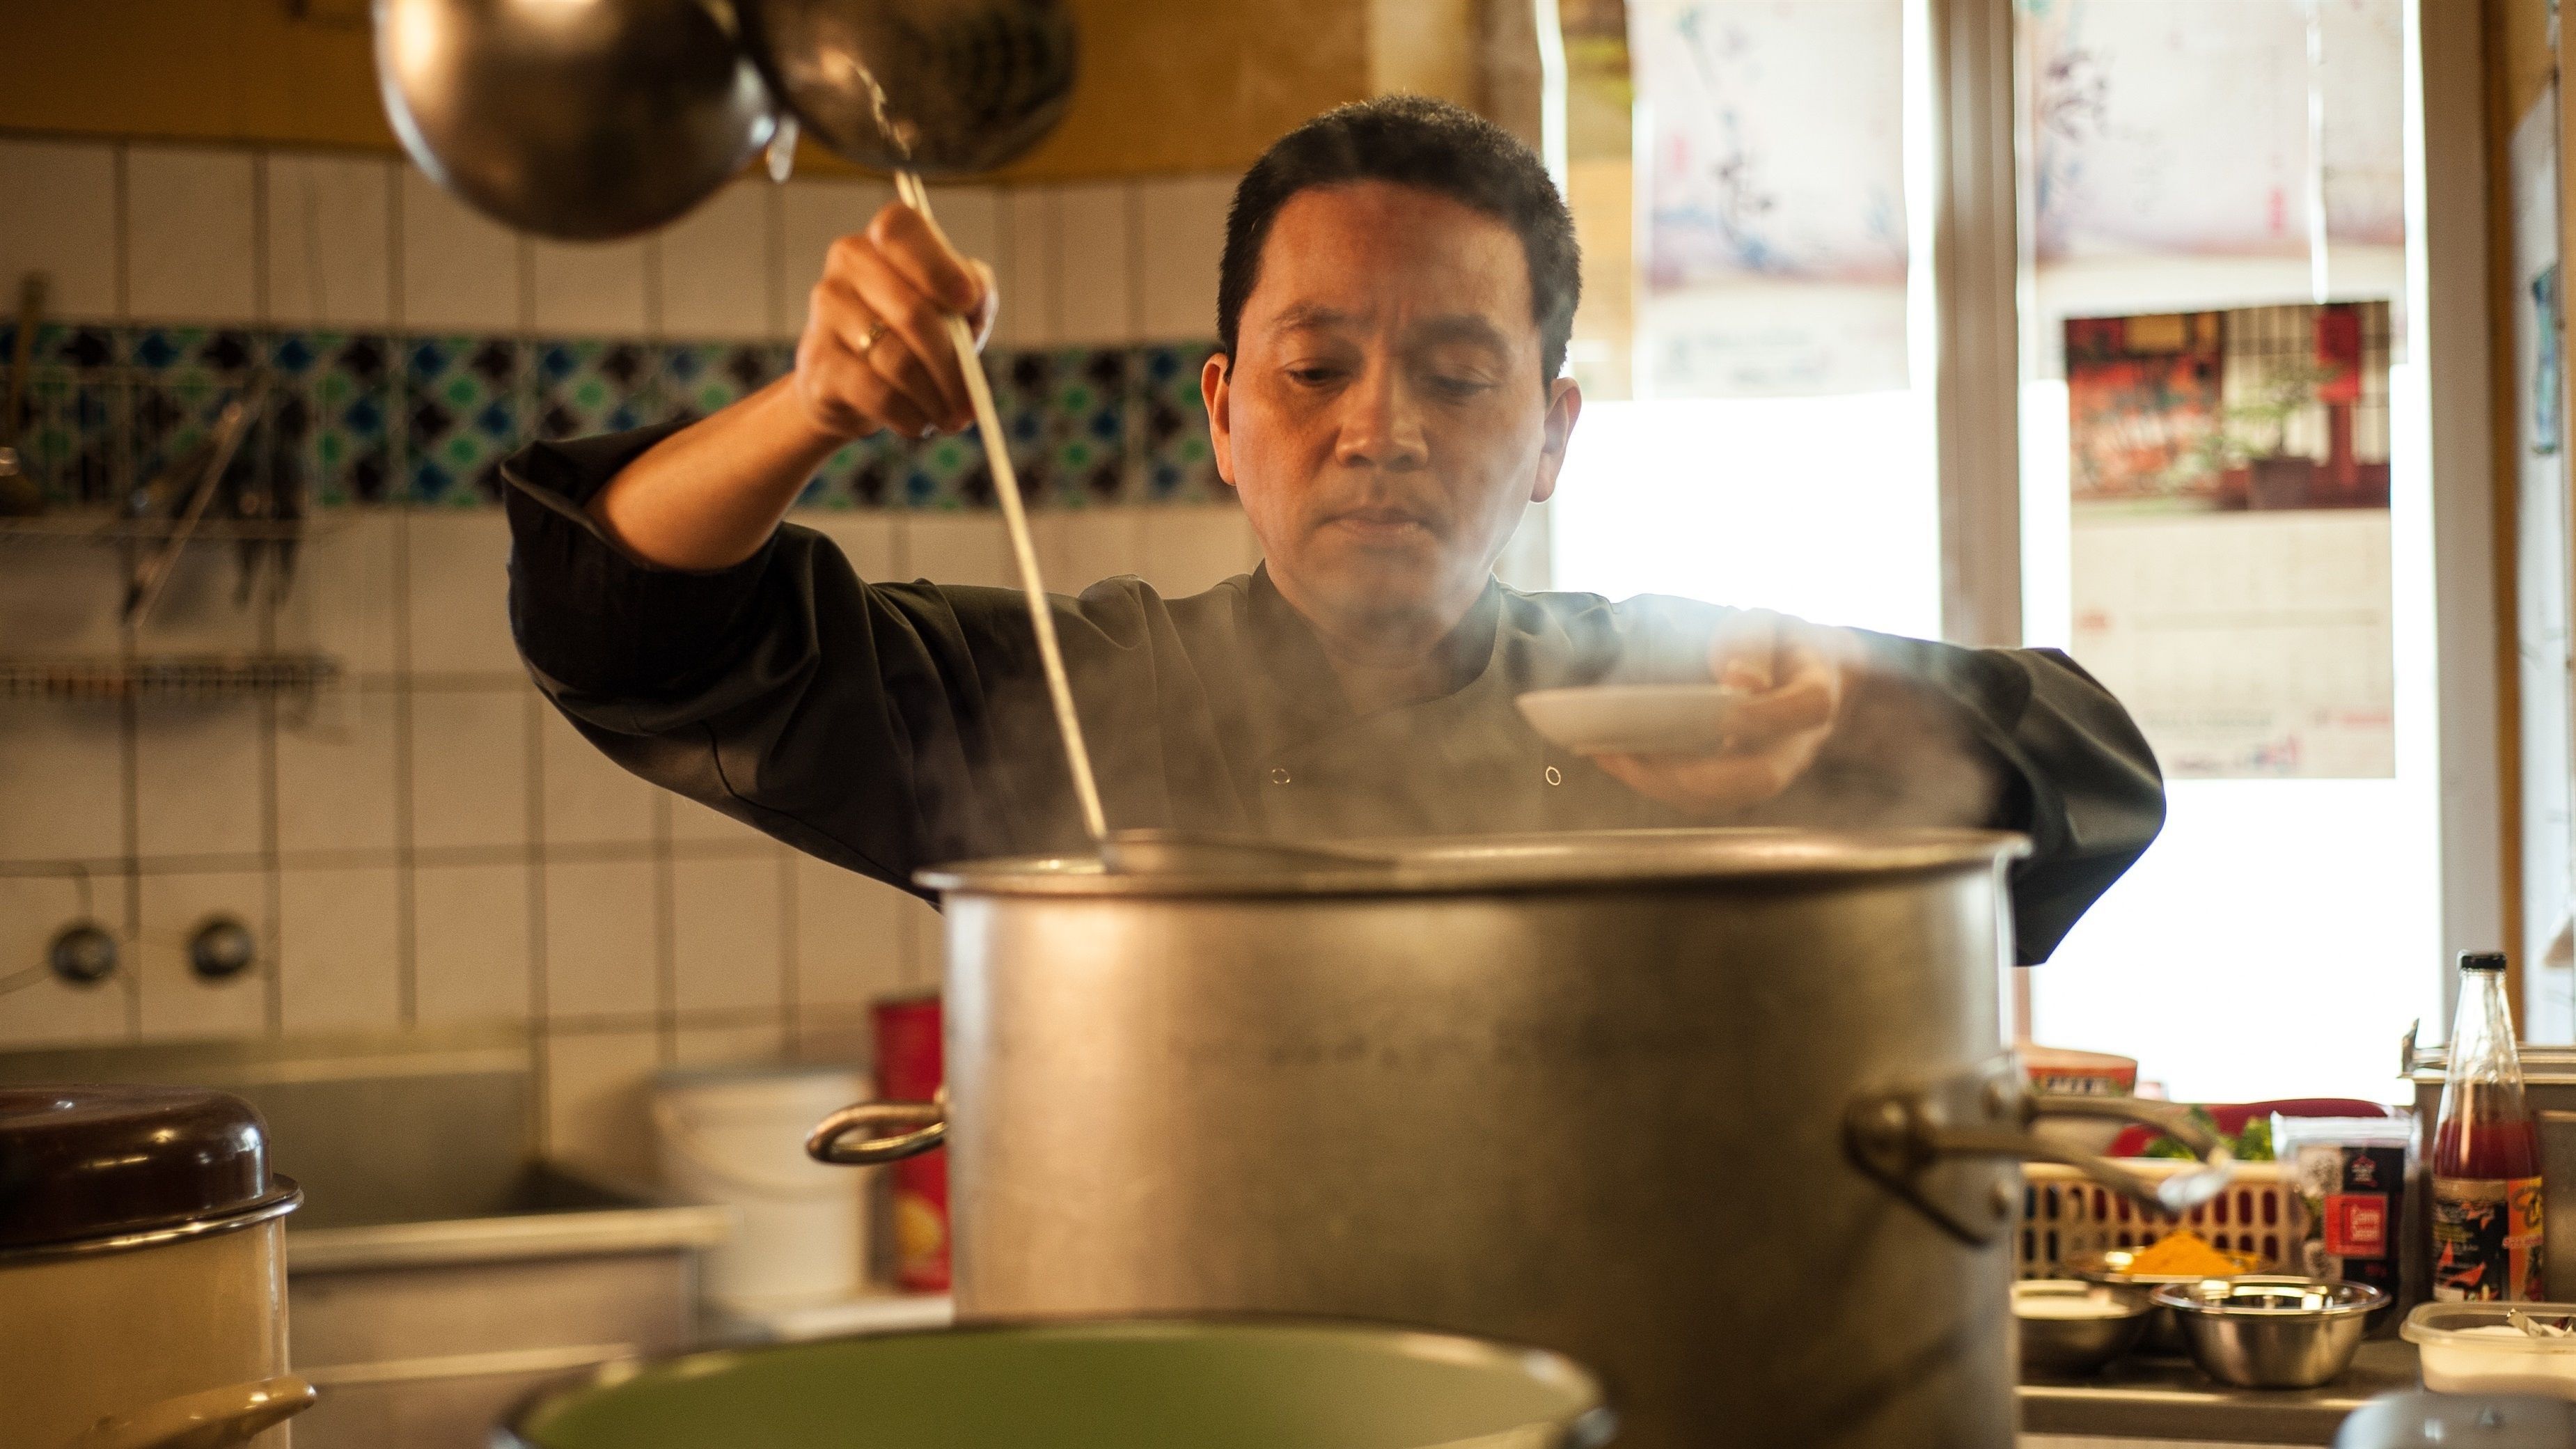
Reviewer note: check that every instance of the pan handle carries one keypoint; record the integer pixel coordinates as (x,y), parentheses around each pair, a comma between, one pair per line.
(920,1126)
(213,1419)
(1926,1143)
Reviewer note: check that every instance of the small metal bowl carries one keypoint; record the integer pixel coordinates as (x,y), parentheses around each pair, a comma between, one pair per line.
(2078,1343)
(2268,1332)
(2163,1338)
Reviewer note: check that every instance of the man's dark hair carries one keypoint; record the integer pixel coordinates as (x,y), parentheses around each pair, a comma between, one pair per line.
(1412,141)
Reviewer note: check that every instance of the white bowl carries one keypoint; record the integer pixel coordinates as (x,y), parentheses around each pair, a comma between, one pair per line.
(1632,719)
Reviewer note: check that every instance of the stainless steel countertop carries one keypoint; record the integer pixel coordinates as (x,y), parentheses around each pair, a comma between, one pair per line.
(2171,1399)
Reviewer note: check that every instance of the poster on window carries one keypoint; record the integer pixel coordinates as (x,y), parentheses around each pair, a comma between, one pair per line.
(1771,196)
(2215,127)
(2231,534)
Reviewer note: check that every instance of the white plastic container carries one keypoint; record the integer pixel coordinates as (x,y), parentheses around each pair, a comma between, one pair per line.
(736,1137)
(2472,1348)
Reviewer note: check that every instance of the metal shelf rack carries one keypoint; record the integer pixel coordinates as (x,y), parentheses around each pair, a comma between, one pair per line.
(166,676)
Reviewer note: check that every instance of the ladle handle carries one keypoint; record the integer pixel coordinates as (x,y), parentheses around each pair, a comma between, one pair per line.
(1006,489)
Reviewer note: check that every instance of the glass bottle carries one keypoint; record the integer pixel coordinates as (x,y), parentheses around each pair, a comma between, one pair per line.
(2486,1152)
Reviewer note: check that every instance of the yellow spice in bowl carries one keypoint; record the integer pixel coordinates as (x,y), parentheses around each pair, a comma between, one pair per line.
(2185,1253)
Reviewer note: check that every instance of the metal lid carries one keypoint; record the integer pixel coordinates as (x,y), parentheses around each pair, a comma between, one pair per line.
(1180,865)
(98,1166)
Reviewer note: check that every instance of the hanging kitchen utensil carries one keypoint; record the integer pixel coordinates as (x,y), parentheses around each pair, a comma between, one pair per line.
(19,493)
(579,121)
(938,87)
(218,450)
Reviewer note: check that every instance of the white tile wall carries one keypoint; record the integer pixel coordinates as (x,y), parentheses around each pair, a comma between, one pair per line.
(1180,239)
(470,762)
(853,937)
(62,795)
(717,274)
(589,288)
(470,942)
(189,234)
(587,798)
(601,938)
(338,776)
(728,933)
(345,598)
(813,215)
(339,949)
(297,238)
(1032,312)
(199,779)
(459,272)
(58,216)
(61,600)
(459,607)
(330,240)
(957,548)
(1095,265)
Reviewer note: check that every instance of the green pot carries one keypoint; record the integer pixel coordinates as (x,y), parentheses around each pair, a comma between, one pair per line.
(1173,1384)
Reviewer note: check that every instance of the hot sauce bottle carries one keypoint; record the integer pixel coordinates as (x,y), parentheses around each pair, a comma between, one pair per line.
(2486,1153)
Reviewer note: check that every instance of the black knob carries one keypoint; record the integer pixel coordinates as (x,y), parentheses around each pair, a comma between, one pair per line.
(83,953)
(222,947)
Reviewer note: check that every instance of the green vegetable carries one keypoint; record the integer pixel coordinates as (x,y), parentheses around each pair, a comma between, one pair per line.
(2254,1144)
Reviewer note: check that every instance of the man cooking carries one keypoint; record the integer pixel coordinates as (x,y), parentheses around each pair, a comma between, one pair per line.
(1398,285)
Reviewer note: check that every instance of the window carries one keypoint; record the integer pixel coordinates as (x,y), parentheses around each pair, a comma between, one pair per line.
(2236,161)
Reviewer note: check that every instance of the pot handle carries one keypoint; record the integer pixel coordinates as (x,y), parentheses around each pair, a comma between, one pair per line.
(212,1419)
(1918,1141)
(923,1126)
(2176,1194)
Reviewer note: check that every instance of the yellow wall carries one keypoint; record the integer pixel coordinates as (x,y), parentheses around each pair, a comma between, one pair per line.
(1167,85)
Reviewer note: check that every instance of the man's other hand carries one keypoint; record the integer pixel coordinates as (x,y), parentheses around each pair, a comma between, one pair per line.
(1789,679)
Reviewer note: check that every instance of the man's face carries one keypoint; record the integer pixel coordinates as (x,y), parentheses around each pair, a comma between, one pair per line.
(1384,418)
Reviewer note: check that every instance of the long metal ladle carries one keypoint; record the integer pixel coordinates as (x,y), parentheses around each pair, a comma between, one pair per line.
(1015,517)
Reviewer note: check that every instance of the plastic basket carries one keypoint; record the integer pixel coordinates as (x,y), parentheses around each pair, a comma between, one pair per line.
(2066,1215)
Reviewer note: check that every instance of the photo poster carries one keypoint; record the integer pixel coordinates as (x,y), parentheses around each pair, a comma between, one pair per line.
(1772,243)
(2231,537)
(2542,642)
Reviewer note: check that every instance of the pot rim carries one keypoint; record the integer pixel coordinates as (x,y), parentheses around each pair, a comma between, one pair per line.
(1589,1428)
(1509,863)
(283,1197)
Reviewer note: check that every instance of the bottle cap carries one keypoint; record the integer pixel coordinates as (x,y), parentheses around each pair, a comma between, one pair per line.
(2482,960)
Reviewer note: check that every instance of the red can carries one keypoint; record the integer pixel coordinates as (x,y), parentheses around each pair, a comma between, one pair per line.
(911,1068)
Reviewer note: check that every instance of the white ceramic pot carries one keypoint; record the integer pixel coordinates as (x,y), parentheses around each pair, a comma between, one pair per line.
(142,1273)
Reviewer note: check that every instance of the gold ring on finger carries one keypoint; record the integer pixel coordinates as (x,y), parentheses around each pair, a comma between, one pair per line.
(876,330)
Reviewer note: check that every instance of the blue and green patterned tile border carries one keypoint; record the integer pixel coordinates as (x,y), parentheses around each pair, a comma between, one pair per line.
(425,419)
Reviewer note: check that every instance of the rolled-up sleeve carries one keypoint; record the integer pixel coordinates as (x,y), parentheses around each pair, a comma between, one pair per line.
(786,692)
(587,615)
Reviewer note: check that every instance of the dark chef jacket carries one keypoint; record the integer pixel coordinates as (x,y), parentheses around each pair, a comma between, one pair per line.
(887,727)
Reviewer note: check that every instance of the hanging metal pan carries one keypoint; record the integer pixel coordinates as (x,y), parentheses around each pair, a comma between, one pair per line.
(936,87)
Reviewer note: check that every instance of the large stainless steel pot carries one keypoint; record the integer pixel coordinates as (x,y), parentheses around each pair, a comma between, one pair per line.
(1725,1114)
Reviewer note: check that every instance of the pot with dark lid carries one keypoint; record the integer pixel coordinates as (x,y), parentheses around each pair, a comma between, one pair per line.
(1723,1113)
(142,1266)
